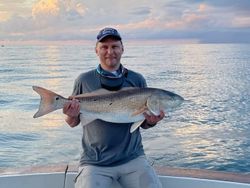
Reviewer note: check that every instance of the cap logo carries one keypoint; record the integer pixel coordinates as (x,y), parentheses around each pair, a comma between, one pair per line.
(108,31)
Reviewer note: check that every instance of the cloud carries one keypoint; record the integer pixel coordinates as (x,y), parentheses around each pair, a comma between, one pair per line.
(3,16)
(46,8)
(202,20)
(170,19)
(48,12)
(141,11)
(241,22)
(46,18)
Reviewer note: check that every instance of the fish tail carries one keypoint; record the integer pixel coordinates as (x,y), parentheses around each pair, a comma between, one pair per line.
(49,102)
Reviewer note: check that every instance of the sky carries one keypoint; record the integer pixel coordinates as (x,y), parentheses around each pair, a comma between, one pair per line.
(202,21)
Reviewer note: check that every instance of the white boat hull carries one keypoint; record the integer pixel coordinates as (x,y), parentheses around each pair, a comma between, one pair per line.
(35,179)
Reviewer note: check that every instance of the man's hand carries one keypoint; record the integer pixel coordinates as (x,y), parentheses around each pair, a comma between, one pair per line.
(72,110)
(152,120)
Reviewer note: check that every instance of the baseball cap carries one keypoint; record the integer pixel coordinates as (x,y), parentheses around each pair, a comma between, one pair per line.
(108,31)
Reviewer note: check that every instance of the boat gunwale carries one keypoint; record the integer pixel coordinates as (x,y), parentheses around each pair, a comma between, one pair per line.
(161,171)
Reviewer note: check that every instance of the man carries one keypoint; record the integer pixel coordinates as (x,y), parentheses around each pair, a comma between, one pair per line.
(110,152)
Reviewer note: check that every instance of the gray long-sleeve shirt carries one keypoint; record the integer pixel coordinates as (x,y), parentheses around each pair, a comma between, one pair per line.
(105,143)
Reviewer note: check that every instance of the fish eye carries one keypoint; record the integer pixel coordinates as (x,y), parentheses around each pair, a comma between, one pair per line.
(57,98)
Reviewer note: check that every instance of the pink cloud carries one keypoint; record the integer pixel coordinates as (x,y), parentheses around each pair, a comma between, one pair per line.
(241,22)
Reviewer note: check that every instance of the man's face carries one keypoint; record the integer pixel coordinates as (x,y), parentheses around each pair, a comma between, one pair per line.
(109,52)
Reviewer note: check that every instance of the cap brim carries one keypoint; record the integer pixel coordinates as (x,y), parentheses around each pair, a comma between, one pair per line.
(111,36)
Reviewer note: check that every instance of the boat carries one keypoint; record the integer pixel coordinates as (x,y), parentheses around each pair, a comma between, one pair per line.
(63,176)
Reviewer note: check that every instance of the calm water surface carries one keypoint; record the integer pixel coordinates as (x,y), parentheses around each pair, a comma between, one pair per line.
(210,131)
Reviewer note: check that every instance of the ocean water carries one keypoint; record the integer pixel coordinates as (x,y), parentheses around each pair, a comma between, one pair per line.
(211,130)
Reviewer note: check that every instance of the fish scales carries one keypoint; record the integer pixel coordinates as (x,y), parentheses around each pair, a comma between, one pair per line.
(115,102)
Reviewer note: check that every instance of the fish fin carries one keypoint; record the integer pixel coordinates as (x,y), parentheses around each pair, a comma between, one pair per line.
(140,111)
(128,88)
(153,104)
(135,126)
(49,102)
(101,92)
(94,93)
(85,121)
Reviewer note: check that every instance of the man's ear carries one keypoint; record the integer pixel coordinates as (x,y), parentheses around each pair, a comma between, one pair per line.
(96,51)
(122,49)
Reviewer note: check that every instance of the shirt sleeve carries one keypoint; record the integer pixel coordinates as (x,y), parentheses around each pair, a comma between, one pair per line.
(77,89)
